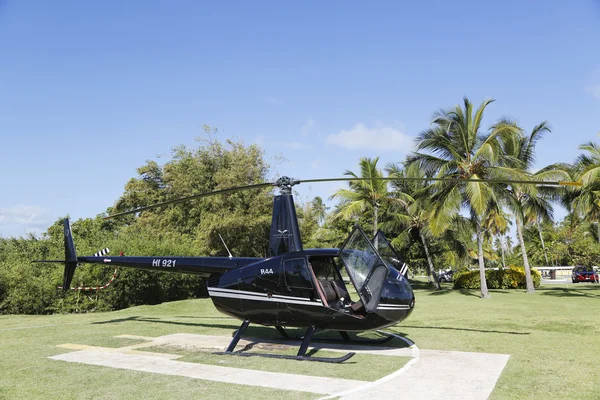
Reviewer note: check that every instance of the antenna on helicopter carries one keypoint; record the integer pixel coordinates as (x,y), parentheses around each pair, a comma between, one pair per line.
(226,248)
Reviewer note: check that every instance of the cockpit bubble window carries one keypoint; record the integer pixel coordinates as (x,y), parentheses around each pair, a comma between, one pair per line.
(360,258)
(386,251)
(367,270)
(297,274)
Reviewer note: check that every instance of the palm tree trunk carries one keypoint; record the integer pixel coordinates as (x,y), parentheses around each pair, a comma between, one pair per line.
(503,260)
(375,216)
(484,290)
(528,280)
(430,272)
(542,241)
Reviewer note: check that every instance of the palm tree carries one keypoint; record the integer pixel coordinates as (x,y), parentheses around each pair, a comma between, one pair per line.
(496,225)
(498,244)
(414,217)
(508,245)
(535,242)
(528,203)
(319,209)
(538,226)
(457,148)
(368,194)
(586,202)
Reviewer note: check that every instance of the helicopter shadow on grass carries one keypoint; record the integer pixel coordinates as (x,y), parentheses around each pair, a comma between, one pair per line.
(441,292)
(445,289)
(590,292)
(197,317)
(255,331)
(136,318)
(116,321)
(432,291)
(466,329)
(261,331)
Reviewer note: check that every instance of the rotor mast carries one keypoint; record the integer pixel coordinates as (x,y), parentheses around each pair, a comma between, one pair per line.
(285,232)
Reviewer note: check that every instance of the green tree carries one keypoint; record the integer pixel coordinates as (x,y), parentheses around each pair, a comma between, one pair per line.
(499,245)
(586,202)
(370,194)
(413,213)
(319,210)
(496,225)
(528,203)
(311,216)
(456,147)
(242,218)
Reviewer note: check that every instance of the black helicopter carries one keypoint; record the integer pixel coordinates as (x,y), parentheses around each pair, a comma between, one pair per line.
(292,286)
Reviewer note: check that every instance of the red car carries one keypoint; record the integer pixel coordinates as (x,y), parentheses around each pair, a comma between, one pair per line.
(584,274)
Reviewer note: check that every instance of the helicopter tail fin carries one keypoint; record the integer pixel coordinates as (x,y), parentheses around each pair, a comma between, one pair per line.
(70,256)
(70,260)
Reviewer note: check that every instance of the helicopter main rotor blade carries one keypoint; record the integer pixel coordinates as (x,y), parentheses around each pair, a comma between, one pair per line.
(286,182)
(450,180)
(196,196)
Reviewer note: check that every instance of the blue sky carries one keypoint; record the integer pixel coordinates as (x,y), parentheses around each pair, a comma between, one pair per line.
(91,90)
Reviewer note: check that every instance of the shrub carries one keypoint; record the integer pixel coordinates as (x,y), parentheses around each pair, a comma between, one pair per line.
(512,277)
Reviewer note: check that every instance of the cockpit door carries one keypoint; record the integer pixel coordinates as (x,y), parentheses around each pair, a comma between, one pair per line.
(365,267)
(389,254)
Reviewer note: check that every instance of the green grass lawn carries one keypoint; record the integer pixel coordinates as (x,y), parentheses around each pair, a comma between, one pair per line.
(553,337)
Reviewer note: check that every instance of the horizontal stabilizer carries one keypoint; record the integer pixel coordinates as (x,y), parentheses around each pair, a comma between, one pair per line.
(102,252)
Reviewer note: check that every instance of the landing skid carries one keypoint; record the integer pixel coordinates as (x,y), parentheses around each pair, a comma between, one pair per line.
(334,360)
(301,356)
(345,338)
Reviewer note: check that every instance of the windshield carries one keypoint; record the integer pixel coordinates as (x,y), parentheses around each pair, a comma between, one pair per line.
(359,257)
(386,251)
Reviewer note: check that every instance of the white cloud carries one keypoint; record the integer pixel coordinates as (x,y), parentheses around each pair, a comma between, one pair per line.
(298,145)
(23,215)
(380,137)
(306,128)
(594,90)
(21,220)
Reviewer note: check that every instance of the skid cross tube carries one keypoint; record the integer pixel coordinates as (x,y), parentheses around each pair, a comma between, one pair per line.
(301,356)
(237,336)
(282,332)
(310,331)
(345,338)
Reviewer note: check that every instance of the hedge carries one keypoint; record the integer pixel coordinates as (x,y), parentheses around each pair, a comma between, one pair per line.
(512,277)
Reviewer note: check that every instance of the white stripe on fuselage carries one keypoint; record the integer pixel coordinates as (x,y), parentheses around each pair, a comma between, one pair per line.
(393,307)
(242,294)
(245,295)
(236,291)
(273,299)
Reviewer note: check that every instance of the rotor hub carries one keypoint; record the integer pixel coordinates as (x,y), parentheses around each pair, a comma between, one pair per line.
(285,184)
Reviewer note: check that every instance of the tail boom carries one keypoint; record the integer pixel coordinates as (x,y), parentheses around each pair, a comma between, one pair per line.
(202,266)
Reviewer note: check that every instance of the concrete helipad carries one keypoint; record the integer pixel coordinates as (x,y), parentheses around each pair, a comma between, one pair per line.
(430,374)
(439,375)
